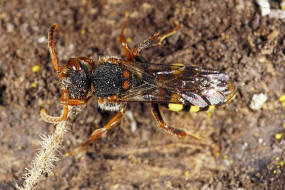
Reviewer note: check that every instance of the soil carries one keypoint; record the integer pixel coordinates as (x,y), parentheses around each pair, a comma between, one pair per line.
(227,35)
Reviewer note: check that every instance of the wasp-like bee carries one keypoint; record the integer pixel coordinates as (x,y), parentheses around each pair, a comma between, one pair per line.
(116,82)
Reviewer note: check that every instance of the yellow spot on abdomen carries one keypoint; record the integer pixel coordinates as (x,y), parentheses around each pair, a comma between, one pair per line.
(282,98)
(211,108)
(194,109)
(177,68)
(278,136)
(175,107)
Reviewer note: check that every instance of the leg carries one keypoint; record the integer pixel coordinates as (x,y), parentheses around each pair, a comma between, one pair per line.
(155,40)
(127,50)
(178,132)
(51,119)
(98,132)
(66,102)
(168,129)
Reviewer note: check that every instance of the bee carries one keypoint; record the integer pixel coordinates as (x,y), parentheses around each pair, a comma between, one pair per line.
(117,82)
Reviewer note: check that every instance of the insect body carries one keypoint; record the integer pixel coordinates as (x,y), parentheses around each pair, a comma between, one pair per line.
(117,82)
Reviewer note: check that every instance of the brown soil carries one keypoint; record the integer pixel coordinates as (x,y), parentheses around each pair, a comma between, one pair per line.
(228,35)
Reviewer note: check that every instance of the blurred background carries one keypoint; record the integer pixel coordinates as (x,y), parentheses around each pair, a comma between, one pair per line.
(227,35)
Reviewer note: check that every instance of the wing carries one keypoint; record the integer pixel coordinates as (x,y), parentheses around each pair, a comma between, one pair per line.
(178,83)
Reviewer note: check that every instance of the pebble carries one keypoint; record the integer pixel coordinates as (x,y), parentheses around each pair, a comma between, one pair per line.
(257,101)
(10,27)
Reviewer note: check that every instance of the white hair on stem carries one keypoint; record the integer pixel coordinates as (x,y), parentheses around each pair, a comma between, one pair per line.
(43,162)
(47,155)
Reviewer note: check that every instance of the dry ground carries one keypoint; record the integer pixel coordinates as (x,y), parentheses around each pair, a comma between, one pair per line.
(224,34)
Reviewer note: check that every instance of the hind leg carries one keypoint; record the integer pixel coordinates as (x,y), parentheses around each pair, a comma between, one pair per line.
(171,130)
(179,132)
(99,132)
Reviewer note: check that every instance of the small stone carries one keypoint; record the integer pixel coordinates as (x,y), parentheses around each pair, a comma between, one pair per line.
(257,101)
(264,7)
(42,39)
(10,27)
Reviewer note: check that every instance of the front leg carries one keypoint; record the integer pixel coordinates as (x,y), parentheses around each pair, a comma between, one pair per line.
(99,132)
(65,101)
(155,40)
(53,119)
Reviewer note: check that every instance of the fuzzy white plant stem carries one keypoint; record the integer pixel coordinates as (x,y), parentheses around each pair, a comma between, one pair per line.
(43,162)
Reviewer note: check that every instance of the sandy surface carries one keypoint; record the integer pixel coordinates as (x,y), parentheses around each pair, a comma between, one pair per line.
(228,35)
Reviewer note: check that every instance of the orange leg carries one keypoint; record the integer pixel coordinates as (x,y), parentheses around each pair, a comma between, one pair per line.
(178,132)
(66,102)
(154,40)
(51,119)
(99,132)
(168,129)
(122,38)
(161,124)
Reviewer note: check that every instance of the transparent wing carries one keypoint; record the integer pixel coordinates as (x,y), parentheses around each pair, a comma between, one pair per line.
(178,83)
